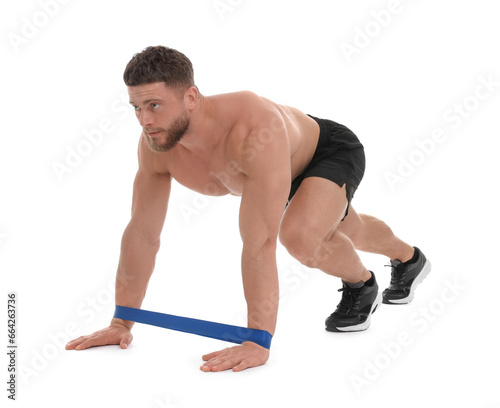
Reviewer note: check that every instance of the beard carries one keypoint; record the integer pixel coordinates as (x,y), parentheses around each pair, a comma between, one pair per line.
(173,135)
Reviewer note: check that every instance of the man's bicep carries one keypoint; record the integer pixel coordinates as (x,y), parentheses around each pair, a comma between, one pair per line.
(149,203)
(266,191)
(261,209)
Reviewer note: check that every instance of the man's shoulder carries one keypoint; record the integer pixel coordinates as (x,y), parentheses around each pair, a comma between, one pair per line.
(253,112)
(151,163)
(242,96)
(246,103)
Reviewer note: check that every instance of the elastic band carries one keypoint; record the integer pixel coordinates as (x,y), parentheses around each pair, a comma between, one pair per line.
(219,331)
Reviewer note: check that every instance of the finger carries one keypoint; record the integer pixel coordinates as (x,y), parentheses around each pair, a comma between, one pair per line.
(222,363)
(126,340)
(73,343)
(91,342)
(209,356)
(217,357)
(242,366)
(210,364)
(226,365)
(85,344)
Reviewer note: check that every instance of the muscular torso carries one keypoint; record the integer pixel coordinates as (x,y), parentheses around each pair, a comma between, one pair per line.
(212,167)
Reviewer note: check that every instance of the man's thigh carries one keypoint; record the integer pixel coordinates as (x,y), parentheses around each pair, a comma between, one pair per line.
(317,208)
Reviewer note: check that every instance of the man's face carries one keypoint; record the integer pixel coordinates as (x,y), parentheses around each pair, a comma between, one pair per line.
(162,114)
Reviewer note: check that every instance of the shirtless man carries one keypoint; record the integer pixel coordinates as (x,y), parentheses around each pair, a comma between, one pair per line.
(296,176)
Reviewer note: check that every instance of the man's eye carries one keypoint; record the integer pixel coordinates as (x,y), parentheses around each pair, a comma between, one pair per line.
(155,105)
(136,108)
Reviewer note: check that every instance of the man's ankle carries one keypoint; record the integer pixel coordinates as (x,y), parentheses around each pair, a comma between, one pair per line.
(408,256)
(366,275)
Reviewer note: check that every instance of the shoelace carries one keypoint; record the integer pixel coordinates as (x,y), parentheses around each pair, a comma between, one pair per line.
(397,274)
(351,298)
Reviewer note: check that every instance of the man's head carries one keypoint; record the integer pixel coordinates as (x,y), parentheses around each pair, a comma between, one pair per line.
(161,87)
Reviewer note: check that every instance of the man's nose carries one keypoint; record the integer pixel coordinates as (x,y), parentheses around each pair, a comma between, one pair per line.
(145,119)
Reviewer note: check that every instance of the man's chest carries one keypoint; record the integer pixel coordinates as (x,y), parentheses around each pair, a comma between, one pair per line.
(214,176)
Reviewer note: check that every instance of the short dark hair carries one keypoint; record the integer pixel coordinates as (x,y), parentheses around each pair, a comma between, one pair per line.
(159,64)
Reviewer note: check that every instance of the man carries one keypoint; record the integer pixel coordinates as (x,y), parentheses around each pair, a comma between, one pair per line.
(296,175)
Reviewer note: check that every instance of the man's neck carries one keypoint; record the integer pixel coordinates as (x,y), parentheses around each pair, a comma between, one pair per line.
(201,126)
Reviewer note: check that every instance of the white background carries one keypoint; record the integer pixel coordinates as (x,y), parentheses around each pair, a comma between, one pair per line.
(60,236)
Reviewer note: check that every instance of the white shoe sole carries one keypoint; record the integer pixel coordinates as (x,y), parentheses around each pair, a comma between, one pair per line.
(418,280)
(366,324)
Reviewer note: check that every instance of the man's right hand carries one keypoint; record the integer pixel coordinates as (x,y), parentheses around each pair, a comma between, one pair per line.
(116,333)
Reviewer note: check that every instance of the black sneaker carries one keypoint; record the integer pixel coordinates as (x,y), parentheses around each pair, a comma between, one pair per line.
(359,301)
(405,277)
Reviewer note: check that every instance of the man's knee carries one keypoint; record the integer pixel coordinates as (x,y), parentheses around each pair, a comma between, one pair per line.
(306,245)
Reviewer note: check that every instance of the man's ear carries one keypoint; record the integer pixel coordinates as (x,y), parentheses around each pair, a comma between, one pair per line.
(191,96)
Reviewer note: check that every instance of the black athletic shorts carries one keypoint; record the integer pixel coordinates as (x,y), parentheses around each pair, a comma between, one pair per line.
(339,157)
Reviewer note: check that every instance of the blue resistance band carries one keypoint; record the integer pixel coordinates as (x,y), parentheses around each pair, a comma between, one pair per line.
(219,331)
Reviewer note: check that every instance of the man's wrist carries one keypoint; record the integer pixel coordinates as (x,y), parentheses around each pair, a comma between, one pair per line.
(122,323)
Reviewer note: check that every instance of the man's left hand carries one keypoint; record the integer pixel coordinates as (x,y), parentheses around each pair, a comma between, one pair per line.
(238,358)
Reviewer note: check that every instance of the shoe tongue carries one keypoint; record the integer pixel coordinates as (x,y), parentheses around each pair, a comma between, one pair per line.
(395,262)
(354,285)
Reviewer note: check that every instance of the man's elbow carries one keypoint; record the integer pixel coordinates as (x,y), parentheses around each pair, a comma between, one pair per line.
(260,247)
(137,234)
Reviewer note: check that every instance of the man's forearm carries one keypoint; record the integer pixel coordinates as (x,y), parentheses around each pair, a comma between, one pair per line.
(137,261)
(260,282)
